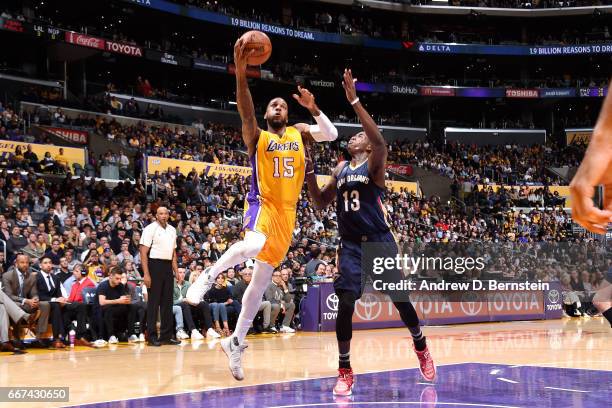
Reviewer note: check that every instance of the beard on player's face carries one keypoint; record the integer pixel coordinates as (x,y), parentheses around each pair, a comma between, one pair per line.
(277,123)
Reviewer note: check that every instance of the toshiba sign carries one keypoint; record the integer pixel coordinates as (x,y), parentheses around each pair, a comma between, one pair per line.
(125,49)
(84,40)
(521,93)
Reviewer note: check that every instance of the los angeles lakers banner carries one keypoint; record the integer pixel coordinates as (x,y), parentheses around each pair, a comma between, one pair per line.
(564,191)
(163,164)
(578,136)
(72,154)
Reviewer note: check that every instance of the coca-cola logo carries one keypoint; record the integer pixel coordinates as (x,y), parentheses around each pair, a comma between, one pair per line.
(123,49)
(13,25)
(84,40)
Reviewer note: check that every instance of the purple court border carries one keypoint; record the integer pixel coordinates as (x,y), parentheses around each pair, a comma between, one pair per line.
(458,385)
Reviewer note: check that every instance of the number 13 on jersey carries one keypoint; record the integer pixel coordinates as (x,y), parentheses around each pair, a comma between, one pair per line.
(352,202)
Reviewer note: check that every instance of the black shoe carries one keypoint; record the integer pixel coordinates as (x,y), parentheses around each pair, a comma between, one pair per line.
(171,342)
(154,342)
(270,329)
(18,344)
(40,343)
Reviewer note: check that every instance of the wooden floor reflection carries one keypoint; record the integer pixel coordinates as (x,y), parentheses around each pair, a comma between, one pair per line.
(130,371)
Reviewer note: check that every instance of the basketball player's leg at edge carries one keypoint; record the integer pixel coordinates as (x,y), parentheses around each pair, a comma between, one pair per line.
(252,245)
(346,288)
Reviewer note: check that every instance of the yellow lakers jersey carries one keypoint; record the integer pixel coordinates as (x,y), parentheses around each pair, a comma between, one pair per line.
(278,168)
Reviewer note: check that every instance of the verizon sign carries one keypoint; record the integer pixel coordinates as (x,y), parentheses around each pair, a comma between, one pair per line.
(74,136)
(84,40)
(124,49)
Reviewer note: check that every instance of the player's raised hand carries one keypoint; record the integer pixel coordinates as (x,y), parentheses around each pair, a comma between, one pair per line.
(241,54)
(348,83)
(305,98)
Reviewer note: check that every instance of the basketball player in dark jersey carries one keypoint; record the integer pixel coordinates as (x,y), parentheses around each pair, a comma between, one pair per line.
(358,187)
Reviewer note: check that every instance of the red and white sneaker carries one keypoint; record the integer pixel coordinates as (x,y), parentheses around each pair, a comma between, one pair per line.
(344,383)
(426,364)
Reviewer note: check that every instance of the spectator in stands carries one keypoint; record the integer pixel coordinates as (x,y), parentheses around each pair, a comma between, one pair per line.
(139,297)
(117,311)
(32,249)
(281,301)
(18,159)
(63,272)
(15,243)
(55,253)
(50,293)
(219,297)
(76,309)
(47,164)
(95,269)
(31,159)
(265,308)
(124,164)
(180,302)
(5,233)
(61,162)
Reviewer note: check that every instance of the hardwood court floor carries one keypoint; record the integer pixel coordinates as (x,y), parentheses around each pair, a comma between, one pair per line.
(129,371)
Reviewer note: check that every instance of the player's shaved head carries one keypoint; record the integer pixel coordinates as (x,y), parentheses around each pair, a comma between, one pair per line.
(277,114)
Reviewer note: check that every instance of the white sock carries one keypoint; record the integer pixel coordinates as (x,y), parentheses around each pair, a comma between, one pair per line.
(239,252)
(262,276)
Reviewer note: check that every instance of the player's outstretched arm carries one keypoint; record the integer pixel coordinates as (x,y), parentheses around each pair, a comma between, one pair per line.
(324,130)
(250,130)
(595,169)
(378,158)
(321,197)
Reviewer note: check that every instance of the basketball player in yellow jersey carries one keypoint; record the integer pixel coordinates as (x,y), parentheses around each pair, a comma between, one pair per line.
(277,159)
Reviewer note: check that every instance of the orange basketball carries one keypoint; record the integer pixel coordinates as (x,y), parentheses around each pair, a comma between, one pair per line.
(260,42)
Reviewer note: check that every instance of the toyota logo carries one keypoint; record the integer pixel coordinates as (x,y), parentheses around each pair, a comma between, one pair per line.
(470,304)
(553,296)
(332,302)
(368,307)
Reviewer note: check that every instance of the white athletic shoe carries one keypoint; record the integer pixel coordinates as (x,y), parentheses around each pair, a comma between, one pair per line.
(286,329)
(133,339)
(141,338)
(212,334)
(196,291)
(113,340)
(99,343)
(181,335)
(233,349)
(196,335)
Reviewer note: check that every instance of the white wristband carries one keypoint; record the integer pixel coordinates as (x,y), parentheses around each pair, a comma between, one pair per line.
(355,101)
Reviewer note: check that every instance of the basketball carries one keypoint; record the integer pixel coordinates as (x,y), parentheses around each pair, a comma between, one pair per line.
(260,42)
